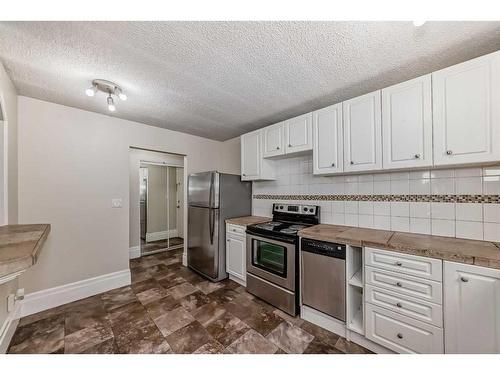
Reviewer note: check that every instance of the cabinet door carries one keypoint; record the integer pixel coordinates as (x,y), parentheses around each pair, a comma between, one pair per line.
(466,111)
(236,256)
(363,133)
(273,140)
(250,156)
(407,124)
(298,134)
(471,309)
(327,140)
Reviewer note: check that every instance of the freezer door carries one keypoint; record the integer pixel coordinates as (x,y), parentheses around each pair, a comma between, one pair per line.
(203,240)
(203,189)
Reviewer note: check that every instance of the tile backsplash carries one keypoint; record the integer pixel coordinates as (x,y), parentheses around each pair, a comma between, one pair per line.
(461,202)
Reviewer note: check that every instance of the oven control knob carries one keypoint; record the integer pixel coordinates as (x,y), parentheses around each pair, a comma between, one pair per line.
(305,209)
(281,207)
(311,210)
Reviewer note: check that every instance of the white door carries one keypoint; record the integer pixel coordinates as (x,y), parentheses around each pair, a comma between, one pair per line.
(273,138)
(362,133)
(298,134)
(471,309)
(250,155)
(180,201)
(407,124)
(327,140)
(236,256)
(466,111)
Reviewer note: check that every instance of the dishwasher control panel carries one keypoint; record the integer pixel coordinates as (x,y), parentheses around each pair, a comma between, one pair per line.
(329,249)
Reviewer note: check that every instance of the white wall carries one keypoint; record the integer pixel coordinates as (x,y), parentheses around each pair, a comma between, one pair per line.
(8,100)
(230,156)
(71,164)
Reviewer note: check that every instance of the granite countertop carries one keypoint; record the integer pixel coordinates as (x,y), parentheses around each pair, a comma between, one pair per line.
(247,220)
(20,246)
(481,253)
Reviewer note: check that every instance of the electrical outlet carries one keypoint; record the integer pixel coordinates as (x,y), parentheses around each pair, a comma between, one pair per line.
(116,203)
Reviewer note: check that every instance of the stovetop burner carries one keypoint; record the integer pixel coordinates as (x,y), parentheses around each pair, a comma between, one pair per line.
(287,221)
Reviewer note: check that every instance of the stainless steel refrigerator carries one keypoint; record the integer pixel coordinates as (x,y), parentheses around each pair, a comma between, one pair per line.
(213,197)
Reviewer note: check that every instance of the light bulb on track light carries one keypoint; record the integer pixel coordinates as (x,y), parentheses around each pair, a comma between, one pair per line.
(418,23)
(111,104)
(90,91)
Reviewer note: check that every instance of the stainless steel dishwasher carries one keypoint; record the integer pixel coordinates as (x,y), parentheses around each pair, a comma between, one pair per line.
(323,277)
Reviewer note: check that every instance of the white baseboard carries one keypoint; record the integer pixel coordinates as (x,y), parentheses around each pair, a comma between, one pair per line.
(60,295)
(163,235)
(9,327)
(134,252)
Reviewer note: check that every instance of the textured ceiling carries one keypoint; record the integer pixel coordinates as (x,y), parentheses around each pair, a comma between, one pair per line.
(221,79)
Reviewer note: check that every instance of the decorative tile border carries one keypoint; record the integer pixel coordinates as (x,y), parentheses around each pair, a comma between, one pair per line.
(384,198)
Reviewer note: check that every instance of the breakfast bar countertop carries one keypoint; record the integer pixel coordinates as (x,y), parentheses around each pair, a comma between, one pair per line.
(20,247)
(244,221)
(480,253)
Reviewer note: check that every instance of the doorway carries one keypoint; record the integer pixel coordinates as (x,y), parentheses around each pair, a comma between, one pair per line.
(161,207)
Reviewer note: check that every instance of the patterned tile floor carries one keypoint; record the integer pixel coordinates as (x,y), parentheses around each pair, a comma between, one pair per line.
(170,309)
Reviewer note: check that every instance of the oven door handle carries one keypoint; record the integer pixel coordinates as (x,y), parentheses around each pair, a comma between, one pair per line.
(270,237)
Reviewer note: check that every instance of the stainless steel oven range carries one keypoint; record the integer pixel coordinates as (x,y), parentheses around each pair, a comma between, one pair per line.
(273,255)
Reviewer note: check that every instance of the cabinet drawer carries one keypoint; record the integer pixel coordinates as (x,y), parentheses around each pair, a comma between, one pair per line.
(402,334)
(408,285)
(413,265)
(236,229)
(424,311)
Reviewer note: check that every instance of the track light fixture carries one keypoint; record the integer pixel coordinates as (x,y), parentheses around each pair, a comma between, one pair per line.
(109,88)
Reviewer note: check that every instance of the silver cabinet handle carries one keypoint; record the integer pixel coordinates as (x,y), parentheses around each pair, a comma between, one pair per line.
(399,304)
(399,335)
(243,174)
(464,279)
(399,284)
(352,162)
(417,156)
(290,145)
(449,152)
(277,148)
(399,264)
(333,164)
(228,240)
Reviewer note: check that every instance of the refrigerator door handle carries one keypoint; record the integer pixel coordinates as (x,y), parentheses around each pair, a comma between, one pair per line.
(211,192)
(211,221)
(211,213)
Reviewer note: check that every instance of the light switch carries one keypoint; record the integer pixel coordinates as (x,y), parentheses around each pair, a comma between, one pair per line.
(116,203)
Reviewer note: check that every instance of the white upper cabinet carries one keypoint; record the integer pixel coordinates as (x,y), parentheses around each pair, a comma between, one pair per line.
(298,134)
(471,309)
(273,137)
(363,133)
(250,155)
(407,124)
(328,140)
(253,166)
(466,112)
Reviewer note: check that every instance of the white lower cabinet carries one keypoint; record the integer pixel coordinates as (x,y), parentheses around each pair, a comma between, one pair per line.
(403,302)
(471,308)
(236,253)
(401,333)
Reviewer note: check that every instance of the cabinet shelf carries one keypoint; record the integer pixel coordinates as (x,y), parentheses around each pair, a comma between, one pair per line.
(356,323)
(357,279)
